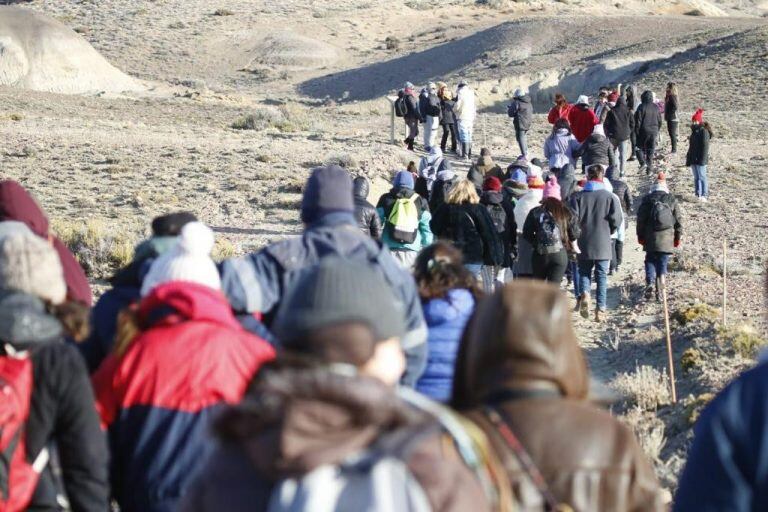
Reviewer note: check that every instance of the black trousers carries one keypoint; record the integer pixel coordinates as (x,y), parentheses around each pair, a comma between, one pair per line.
(448,129)
(646,151)
(618,254)
(672,129)
(550,267)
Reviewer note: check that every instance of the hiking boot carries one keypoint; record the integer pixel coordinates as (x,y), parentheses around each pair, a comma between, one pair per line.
(631,159)
(648,294)
(599,316)
(584,305)
(577,308)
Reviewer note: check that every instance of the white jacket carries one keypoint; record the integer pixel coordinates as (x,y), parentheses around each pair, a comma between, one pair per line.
(525,204)
(464,109)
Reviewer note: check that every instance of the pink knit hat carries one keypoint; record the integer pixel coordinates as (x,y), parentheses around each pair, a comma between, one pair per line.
(552,188)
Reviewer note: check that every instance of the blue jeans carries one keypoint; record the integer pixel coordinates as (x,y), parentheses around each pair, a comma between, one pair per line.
(655,265)
(700,182)
(574,268)
(522,141)
(476,270)
(601,278)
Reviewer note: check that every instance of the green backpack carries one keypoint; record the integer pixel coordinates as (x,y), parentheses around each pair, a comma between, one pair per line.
(403,220)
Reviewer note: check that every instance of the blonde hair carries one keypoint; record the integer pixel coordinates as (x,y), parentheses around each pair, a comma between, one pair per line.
(447,95)
(463,192)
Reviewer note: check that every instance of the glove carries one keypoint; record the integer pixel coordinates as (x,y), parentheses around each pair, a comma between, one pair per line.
(677,243)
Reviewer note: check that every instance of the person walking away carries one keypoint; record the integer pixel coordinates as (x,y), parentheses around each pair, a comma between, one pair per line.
(550,229)
(598,214)
(697,157)
(256,283)
(486,166)
(465,222)
(523,207)
(619,125)
(560,110)
(448,121)
(429,166)
(659,231)
(523,379)
(582,119)
(448,294)
(521,112)
(367,217)
(47,397)
(560,149)
(446,179)
(502,213)
(405,216)
(515,186)
(179,355)
(465,112)
(623,192)
(351,440)
(647,126)
(632,106)
(596,150)
(671,106)
(412,115)
(431,118)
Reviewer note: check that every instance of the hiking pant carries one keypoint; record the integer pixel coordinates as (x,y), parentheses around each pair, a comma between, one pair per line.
(405,257)
(672,130)
(430,131)
(413,128)
(700,182)
(493,277)
(573,265)
(655,266)
(601,278)
(618,254)
(448,129)
(522,140)
(622,148)
(645,155)
(550,267)
(633,143)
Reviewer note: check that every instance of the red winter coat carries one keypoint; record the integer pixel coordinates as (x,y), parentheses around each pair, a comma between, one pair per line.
(556,113)
(16,204)
(583,121)
(159,397)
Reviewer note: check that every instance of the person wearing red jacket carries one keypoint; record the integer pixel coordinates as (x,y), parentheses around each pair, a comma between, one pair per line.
(180,355)
(582,119)
(561,110)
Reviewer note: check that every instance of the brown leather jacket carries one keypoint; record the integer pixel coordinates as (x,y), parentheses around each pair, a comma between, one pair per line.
(532,371)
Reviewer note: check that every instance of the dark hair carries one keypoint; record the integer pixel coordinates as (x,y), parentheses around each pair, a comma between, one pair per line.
(439,268)
(411,165)
(708,127)
(561,123)
(560,213)
(74,318)
(560,99)
(595,171)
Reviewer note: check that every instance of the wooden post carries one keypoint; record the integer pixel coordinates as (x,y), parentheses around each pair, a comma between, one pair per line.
(725,283)
(391,121)
(670,357)
(485,145)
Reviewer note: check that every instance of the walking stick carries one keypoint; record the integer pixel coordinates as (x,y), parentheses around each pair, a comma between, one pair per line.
(670,357)
(725,284)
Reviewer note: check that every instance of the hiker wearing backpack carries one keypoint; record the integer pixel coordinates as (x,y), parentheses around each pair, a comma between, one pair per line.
(622,191)
(560,110)
(486,166)
(596,150)
(255,283)
(429,167)
(367,217)
(180,354)
(598,214)
(551,230)
(502,213)
(47,406)
(465,222)
(561,150)
(619,125)
(697,157)
(671,105)
(521,112)
(405,216)
(448,294)
(448,120)
(432,112)
(525,251)
(325,427)
(523,379)
(465,112)
(582,119)
(659,230)
(647,125)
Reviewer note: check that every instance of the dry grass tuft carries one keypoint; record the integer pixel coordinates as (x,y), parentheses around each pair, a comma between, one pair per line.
(646,387)
(694,313)
(648,429)
(98,247)
(743,339)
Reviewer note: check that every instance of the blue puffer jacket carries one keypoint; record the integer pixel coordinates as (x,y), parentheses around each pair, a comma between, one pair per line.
(446,319)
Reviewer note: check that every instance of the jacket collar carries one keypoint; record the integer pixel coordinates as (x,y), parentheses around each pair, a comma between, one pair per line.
(178,301)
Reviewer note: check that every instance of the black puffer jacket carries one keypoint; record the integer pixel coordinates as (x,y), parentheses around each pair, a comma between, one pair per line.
(471,230)
(448,117)
(647,119)
(670,108)
(620,122)
(698,149)
(490,200)
(62,409)
(365,213)
(597,149)
(523,118)
(658,241)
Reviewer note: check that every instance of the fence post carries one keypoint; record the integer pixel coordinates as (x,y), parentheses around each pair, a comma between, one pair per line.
(670,356)
(725,283)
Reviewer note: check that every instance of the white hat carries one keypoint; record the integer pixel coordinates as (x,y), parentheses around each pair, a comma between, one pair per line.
(31,265)
(583,100)
(189,261)
(598,129)
(519,93)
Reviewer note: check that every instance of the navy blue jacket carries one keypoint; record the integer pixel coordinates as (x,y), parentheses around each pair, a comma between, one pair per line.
(256,282)
(727,466)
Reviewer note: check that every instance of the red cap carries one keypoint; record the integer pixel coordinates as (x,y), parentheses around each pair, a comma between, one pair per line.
(698,116)
(492,183)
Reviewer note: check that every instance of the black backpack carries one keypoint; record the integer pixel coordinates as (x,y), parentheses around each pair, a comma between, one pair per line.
(662,216)
(498,217)
(549,239)
(401,109)
(433,107)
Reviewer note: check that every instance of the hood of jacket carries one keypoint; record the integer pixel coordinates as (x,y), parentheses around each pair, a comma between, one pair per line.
(179,301)
(520,338)
(476,177)
(17,204)
(24,320)
(446,175)
(647,97)
(514,189)
(361,187)
(295,419)
(525,98)
(491,197)
(596,138)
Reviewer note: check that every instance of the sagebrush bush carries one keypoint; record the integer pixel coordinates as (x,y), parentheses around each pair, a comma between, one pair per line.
(694,313)
(646,387)
(288,118)
(99,248)
(743,339)
(648,429)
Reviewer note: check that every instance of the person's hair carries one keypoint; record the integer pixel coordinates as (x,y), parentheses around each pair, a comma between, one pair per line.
(463,192)
(560,99)
(447,95)
(671,89)
(74,319)
(439,268)
(708,127)
(412,167)
(561,123)
(560,213)
(595,171)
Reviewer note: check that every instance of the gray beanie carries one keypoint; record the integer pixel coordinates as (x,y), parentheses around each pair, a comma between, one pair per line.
(328,190)
(31,265)
(338,291)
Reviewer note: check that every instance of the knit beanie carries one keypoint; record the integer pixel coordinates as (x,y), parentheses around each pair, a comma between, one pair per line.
(698,116)
(189,260)
(403,179)
(552,188)
(518,176)
(535,182)
(328,190)
(520,163)
(338,291)
(31,265)
(171,224)
(13,227)
(492,183)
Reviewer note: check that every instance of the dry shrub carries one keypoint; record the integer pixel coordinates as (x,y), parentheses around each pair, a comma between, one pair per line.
(646,387)
(694,405)
(648,429)
(691,358)
(694,313)
(743,339)
(288,118)
(223,249)
(344,160)
(99,247)
(223,12)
